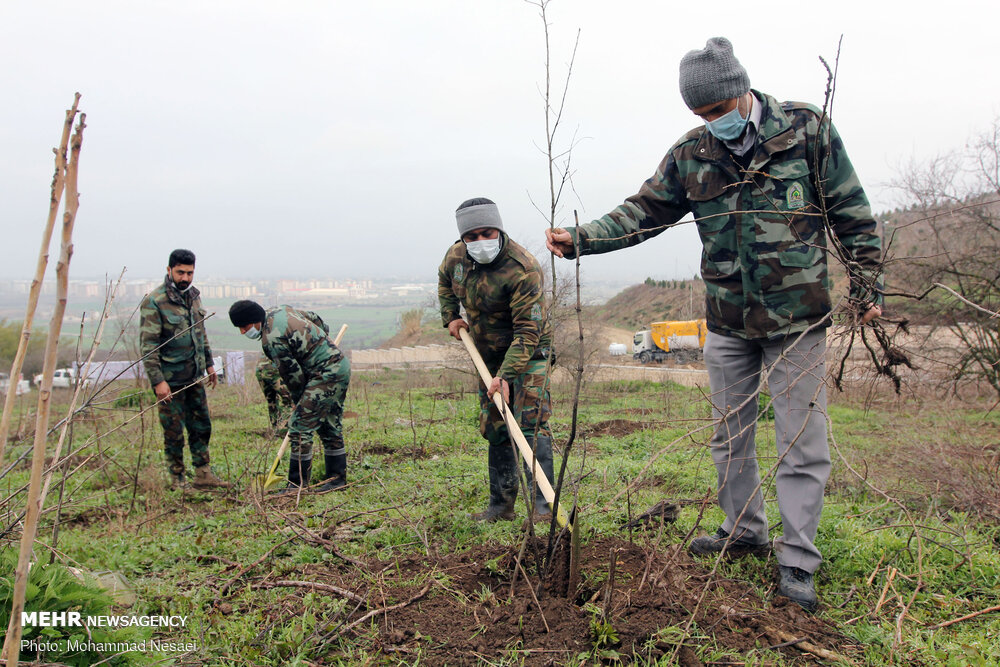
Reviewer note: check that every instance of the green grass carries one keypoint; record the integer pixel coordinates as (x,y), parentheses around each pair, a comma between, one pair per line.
(417,467)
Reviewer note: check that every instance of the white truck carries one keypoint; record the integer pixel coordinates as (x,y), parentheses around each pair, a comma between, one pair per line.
(20,387)
(61,378)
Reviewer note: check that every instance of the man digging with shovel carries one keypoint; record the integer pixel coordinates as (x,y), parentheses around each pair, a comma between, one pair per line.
(500,285)
(317,375)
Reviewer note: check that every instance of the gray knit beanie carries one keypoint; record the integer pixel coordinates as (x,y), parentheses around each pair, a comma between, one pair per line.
(477,213)
(712,74)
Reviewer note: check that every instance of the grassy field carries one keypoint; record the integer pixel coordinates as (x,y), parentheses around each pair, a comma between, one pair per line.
(368,326)
(393,571)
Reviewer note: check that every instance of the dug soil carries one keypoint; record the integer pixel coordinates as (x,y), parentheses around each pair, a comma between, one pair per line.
(459,609)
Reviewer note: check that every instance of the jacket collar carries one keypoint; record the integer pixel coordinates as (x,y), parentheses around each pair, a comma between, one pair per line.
(175,295)
(775,134)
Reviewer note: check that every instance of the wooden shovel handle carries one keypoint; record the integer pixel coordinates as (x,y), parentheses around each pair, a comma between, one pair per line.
(340,334)
(281,451)
(514,429)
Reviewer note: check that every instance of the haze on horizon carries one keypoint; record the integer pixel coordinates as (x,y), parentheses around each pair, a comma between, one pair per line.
(335,139)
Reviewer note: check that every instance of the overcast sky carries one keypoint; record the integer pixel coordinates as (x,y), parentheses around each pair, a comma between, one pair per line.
(335,139)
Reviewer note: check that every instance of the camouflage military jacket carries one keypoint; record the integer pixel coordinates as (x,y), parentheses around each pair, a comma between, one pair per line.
(504,301)
(174,322)
(298,343)
(764,238)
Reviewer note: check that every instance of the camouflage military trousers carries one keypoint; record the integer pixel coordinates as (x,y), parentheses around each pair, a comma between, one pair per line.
(529,402)
(187,409)
(531,406)
(279,400)
(319,409)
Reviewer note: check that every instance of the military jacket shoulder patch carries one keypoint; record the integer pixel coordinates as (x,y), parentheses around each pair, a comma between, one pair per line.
(536,312)
(459,273)
(794,196)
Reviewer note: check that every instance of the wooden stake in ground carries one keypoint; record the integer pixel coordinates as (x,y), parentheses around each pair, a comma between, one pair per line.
(12,643)
(58,182)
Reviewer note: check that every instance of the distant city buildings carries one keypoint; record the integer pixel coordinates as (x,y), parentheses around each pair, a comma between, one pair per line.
(282,289)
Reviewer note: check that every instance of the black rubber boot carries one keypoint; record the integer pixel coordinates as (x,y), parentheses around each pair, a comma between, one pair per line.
(496,513)
(543,457)
(298,476)
(503,484)
(335,472)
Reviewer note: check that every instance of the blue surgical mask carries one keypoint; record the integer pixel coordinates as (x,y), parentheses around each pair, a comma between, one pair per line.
(253,333)
(729,126)
(484,251)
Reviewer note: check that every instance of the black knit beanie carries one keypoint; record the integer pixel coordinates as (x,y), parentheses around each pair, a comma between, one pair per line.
(246,312)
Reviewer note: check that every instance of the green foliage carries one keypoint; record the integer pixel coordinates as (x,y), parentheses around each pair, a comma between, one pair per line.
(34,357)
(135,398)
(53,588)
(10,338)
(765,408)
(603,636)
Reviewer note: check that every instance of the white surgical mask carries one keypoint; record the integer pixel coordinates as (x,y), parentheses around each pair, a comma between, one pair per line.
(253,333)
(730,126)
(484,251)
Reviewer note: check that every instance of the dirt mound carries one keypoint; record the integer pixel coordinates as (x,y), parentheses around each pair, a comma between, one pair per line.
(614,427)
(460,609)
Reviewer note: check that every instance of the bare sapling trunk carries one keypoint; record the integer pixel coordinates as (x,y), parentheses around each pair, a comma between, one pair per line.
(578,382)
(58,183)
(558,177)
(11,649)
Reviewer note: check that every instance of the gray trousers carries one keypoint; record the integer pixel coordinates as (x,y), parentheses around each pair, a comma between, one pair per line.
(795,369)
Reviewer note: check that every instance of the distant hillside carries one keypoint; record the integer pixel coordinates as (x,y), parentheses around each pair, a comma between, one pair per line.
(940,244)
(418,327)
(629,310)
(653,301)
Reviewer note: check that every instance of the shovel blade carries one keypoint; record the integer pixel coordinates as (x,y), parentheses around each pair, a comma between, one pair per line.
(262,483)
(270,481)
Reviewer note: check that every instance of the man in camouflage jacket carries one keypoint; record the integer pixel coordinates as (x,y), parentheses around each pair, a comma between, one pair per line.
(279,401)
(176,356)
(772,192)
(500,285)
(317,376)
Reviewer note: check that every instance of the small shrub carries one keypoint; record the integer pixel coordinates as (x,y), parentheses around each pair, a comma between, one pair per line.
(54,588)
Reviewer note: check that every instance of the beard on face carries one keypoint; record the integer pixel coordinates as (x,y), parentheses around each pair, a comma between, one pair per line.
(183,284)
